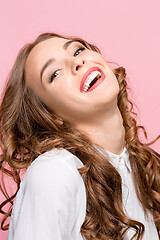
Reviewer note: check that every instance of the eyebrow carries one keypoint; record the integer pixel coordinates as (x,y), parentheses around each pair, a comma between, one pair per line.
(51,60)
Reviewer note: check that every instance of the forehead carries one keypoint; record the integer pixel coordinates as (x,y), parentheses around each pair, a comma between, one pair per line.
(44,48)
(40,54)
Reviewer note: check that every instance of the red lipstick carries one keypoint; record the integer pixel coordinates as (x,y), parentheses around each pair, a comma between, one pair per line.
(88,73)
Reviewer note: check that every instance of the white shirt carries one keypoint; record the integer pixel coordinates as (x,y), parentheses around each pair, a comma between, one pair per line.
(51,201)
(132,206)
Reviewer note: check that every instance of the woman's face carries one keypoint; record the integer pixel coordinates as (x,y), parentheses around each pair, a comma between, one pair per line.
(55,71)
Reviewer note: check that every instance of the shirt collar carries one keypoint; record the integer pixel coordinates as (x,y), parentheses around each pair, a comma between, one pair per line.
(117,159)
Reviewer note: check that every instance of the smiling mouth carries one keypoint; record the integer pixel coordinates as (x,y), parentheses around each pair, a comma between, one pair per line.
(86,88)
(91,79)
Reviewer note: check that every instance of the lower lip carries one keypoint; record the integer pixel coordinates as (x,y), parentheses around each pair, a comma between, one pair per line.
(100,80)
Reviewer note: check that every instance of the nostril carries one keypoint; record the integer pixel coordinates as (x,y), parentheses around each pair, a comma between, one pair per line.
(77,67)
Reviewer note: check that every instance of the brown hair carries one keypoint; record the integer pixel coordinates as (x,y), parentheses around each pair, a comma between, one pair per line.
(28,129)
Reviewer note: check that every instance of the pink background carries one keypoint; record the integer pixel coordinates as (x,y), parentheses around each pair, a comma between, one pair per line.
(127,32)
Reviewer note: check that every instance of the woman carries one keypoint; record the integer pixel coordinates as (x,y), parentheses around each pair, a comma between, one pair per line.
(66,118)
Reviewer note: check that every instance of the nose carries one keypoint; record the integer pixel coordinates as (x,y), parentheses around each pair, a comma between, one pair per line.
(77,65)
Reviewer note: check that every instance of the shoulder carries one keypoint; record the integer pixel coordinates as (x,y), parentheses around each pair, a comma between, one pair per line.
(57,166)
(51,193)
(56,159)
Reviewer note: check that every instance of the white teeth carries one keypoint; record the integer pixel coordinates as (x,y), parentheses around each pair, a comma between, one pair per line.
(90,79)
(87,84)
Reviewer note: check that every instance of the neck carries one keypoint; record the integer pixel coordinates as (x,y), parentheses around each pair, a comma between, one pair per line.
(108,132)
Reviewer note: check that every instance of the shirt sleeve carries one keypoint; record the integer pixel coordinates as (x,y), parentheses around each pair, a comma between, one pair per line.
(45,206)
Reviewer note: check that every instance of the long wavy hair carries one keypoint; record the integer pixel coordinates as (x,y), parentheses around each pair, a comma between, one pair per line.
(28,128)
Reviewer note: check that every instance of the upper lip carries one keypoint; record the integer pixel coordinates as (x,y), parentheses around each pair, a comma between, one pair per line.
(86,75)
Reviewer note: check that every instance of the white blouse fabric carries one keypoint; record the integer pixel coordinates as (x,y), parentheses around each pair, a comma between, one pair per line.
(51,201)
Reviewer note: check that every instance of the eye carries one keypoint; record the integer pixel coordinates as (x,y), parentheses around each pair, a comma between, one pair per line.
(54,74)
(79,49)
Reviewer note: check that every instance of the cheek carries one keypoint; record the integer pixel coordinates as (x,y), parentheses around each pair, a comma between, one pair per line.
(117,88)
(115,84)
(57,100)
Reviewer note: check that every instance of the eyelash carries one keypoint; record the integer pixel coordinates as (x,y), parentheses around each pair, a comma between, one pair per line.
(53,74)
